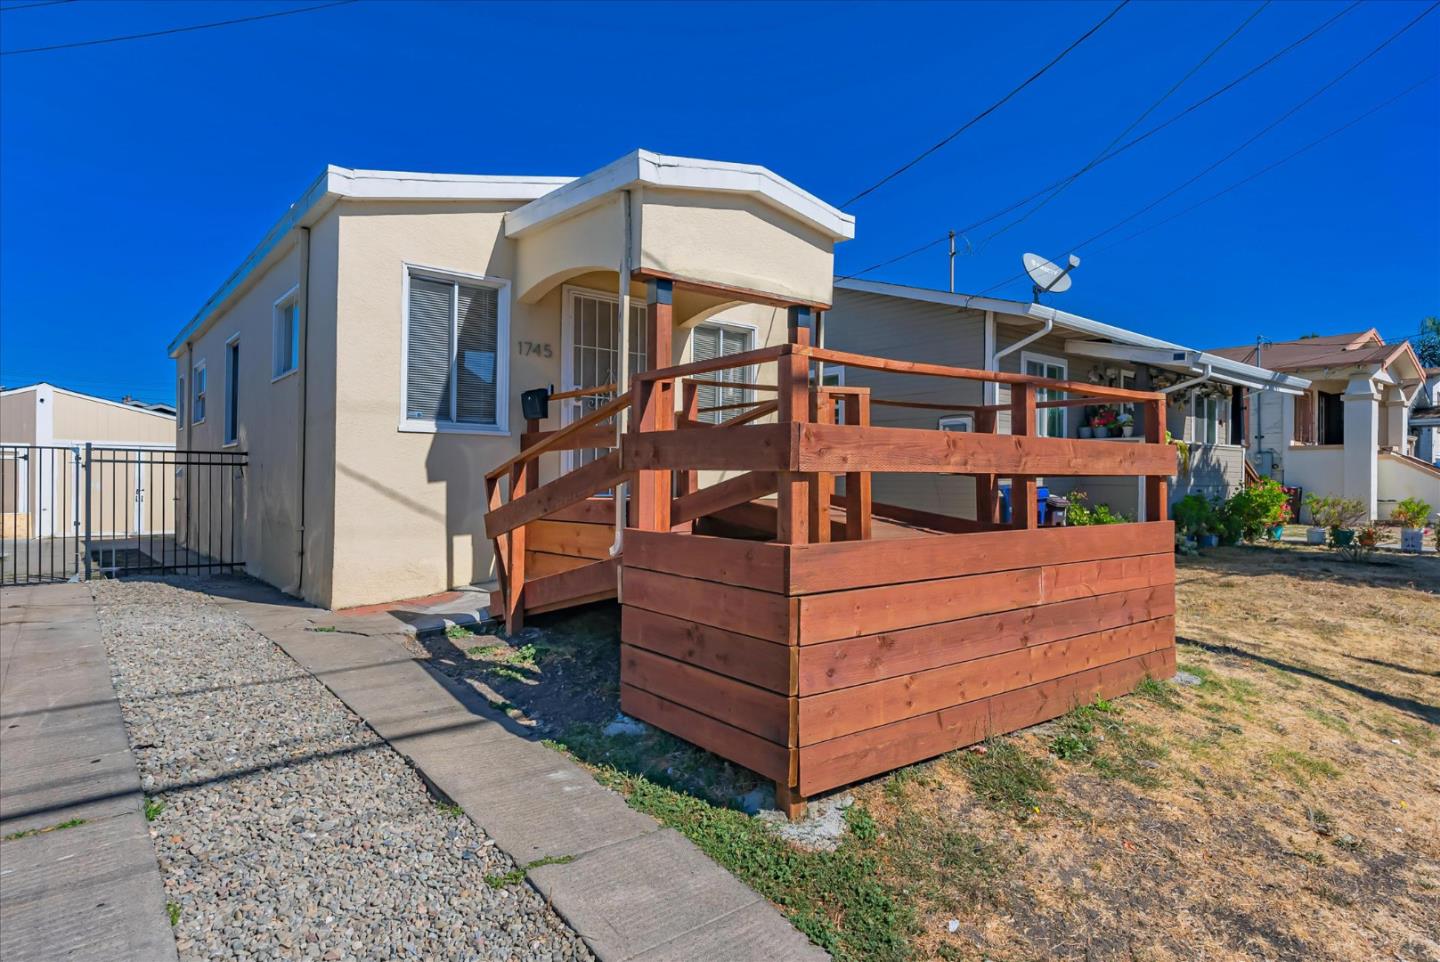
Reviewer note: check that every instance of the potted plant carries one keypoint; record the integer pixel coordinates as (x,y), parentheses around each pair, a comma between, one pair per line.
(1275,527)
(1196,519)
(1258,509)
(1339,516)
(1411,515)
(1318,506)
(1101,422)
(1126,422)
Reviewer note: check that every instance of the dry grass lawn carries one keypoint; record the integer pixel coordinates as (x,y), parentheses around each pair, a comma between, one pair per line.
(1286,807)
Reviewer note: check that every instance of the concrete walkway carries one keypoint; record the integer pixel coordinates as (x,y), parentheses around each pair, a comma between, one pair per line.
(78,878)
(633,890)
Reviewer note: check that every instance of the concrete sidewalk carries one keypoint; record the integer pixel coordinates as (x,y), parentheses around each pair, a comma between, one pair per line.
(90,890)
(633,890)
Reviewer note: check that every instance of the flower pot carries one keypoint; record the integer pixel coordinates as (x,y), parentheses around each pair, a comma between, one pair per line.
(1341,537)
(1314,535)
(1128,430)
(1102,432)
(1085,432)
(1412,539)
(1275,532)
(1209,541)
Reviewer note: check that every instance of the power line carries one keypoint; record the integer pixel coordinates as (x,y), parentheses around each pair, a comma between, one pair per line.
(990,109)
(40,3)
(173,30)
(1244,180)
(1133,124)
(1128,144)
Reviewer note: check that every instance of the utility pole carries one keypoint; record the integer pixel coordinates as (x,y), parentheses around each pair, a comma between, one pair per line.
(952,262)
(1259,405)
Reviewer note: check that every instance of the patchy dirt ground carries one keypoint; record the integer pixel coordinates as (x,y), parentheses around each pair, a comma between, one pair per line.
(1285,804)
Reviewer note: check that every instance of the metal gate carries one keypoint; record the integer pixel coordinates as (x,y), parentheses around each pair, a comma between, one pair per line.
(69,513)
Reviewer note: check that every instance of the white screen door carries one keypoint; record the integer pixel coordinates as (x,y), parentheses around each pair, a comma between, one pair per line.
(590,351)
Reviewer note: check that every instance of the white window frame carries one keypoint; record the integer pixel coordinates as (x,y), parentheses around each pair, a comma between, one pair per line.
(1042,414)
(1199,421)
(182,400)
(197,394)
(232,397)
(951,421)
(501,427)
(277,314)
(752,333)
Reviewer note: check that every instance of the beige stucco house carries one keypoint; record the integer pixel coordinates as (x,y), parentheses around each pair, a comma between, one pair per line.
(1349,433)
(1205,391)
(369,354)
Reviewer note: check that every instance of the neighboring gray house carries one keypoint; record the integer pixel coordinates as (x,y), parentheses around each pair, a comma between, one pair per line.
(892,320)
(1425,419)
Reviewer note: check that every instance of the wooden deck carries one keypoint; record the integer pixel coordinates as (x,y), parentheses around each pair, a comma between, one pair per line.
(782,620)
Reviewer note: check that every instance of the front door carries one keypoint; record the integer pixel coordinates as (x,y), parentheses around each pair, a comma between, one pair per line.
(590,354)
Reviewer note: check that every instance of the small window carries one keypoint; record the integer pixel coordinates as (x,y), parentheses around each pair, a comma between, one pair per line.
(958,422)
(1209,420)
(719,340)
(834,375)
(455,372)
(232,391)
(197,403)
(286,325)
(1049,422)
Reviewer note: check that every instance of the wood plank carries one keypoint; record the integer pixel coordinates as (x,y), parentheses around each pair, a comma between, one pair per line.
(743,359)
(745,564)
(923,519)
(732,491)
(578,485)
(727,741)
(760,614)
(859,506)
(542,564)
(765,664)
(552,443)
(1024,513)
(839,447)
(598,436)
(832,714)
(735,703)
(572,538)
(865,611)
(589,511)
(834,567)
(750,447)
(855,661)
(577,586)
(850,758)
(520,476)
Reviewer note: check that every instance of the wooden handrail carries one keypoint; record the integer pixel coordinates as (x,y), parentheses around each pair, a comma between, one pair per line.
(1069,402)
(551,442)
(767,407)
(866,362)
(709,382)
(583,391)
(743,359)
(729,407)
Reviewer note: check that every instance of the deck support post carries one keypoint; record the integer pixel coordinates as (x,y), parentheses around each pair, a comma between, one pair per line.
(688,482)
(654,406)
(987,487)
(1157,487)
(857,483)
(515,563)
(793,516)
(1023,513)
(822,486)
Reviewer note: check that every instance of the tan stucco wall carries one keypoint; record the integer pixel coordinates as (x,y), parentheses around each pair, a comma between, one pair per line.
(565,249)
(17,418)
(80,419)
(736,241)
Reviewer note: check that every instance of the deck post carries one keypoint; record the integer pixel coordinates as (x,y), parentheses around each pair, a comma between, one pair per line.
(793,515)
(857,483)
(1157,487)
(688,482)
(987,490)
(1022,487)
(654,406)
(515,563)
(822,485)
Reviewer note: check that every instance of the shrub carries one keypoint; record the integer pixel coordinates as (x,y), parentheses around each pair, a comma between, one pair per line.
(1362,546)
(1195,515)
(1335,512)
(1411,513)
(1256,508)
(1079,514)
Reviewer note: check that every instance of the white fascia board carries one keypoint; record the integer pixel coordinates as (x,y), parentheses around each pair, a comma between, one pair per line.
(336,183)
(644,168)
(1235,372)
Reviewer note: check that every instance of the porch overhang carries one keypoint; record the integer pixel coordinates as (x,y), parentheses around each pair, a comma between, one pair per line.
(1188,361)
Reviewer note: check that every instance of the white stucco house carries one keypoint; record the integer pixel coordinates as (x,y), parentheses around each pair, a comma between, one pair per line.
(1349,433)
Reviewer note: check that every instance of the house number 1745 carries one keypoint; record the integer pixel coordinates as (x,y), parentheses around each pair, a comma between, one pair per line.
(535,348)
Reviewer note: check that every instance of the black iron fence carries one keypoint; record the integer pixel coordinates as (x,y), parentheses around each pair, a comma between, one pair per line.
(77,512)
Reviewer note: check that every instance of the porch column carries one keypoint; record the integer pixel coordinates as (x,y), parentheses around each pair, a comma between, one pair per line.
(1396,420)
(793,381)
(1362,441)
(654,408)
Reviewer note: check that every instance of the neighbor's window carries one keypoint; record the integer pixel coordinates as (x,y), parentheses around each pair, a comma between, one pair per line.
(197,403)
(958,422)
(455,374)
(1049,422)
(719,340)
(286,326)
(232,391)
(1207,420)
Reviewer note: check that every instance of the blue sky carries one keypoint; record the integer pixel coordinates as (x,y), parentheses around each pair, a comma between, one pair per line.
(135,176)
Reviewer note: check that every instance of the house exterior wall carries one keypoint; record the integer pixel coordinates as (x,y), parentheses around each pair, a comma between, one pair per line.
(80,419)
(17,417)
(1400,478)
(266,500)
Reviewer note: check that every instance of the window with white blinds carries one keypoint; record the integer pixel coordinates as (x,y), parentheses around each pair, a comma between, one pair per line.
(455,373)
(717,340)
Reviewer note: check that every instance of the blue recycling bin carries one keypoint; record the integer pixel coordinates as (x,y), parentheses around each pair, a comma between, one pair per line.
(1042,506)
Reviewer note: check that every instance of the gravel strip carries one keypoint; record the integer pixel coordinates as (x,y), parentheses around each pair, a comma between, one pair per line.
(290,830)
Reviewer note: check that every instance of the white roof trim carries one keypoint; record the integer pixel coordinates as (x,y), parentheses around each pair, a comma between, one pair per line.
(645,168)
(1222,369)
(335,183)
(85,397)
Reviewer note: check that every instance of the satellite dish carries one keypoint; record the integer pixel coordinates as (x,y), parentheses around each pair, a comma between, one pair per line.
(1047,277)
